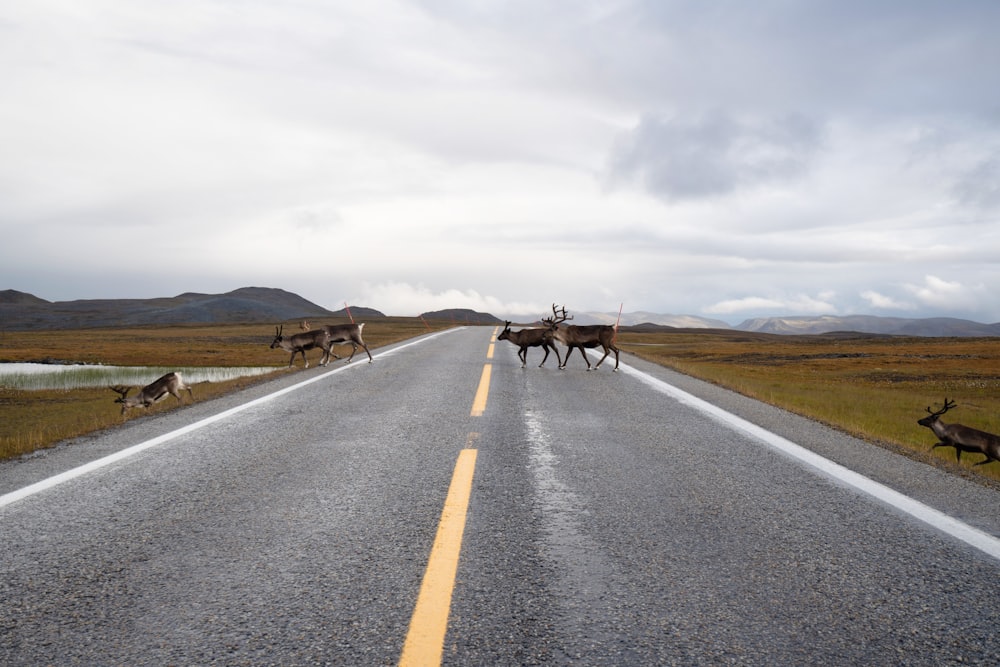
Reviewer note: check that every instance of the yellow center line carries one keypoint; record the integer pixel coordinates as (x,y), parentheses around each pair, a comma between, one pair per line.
(425,639)
(479,402)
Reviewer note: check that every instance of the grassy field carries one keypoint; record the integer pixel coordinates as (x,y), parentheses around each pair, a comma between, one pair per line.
(873,387)
(35,419)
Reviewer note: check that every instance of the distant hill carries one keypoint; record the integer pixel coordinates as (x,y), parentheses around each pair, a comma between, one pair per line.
(20,311)
(462,315)
(896,326)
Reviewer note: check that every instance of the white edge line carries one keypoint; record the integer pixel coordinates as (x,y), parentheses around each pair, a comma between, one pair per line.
(73,473)
(974,537)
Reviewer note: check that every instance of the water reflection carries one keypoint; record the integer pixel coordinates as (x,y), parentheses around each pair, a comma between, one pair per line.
(56,376)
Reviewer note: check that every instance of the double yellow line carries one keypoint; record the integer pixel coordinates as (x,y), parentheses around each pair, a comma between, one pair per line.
(424,643)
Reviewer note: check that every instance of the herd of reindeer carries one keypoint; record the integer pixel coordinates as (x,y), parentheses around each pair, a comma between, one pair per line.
(554,329)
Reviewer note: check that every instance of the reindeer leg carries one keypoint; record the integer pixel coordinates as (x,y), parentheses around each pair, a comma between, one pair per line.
(546,349)
(522,354)
(606,353)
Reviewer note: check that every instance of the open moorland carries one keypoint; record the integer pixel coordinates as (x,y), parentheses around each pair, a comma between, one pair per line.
(873,387)
(870,386)
(37,419)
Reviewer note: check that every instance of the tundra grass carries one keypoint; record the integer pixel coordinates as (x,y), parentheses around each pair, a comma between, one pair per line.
(32,420)
(872,387)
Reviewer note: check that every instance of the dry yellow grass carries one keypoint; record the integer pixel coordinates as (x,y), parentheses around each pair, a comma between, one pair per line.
(873,387)
(36,419)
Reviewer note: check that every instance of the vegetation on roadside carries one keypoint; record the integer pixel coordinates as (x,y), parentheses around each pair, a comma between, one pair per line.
(33,420)
(872,387)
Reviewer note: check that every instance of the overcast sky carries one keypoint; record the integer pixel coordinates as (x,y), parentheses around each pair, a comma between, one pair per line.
(724,159)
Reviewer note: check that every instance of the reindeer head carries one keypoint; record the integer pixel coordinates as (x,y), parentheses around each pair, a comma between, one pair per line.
(505,334)
(277,337)
(122,397)
(933,417)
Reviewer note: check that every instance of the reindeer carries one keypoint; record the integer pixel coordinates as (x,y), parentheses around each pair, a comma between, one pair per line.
(574,336)
(300,342)
(304,325)
(962,438)
(526,338)
(171,383)
(347,333)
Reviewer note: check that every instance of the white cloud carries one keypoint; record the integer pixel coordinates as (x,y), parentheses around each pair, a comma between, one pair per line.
(402,299)
(881,301)
(800,303)
(939,293)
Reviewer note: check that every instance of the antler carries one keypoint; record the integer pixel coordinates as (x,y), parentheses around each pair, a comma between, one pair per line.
(118,389)
(948,405)
(558,316)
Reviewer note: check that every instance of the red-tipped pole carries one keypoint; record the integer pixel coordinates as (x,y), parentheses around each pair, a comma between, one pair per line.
(348,308)
(618,321)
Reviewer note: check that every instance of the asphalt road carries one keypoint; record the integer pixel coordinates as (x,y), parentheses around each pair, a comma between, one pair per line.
(612,519)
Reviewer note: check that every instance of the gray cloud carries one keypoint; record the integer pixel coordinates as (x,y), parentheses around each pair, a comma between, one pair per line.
(713,155)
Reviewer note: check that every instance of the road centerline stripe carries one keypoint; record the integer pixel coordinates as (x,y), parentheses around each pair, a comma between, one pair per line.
(425,639)
(479,402)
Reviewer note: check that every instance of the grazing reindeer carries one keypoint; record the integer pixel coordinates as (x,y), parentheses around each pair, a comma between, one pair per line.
(347,333)
(962,438)
(171,383)
(573,336)
(526,338)
(300,342)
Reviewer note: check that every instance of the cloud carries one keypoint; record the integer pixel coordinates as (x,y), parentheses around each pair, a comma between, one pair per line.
(882,301)
(800,303)
(943,294)
(715,154)
(400,299)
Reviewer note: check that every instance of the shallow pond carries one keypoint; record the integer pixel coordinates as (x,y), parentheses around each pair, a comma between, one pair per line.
(56,376)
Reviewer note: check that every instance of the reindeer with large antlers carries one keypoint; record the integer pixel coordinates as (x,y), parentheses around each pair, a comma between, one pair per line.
(526,338)
(171,384)
(576,336)
(300,342)
(962,438)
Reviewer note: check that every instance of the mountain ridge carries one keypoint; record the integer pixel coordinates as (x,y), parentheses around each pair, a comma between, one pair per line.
(23,311)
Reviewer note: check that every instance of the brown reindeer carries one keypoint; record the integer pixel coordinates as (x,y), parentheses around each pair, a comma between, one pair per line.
(962,438)
(300,342)
(171,383)
(347,333)
(573,336)
(526,338)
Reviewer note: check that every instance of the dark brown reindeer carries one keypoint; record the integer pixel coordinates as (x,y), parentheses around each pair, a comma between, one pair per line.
(526,338)
(347,333)
(962,438)
(171,383)
(300,342)
(574,336)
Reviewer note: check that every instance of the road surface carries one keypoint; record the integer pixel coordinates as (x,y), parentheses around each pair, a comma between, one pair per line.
(442,505)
